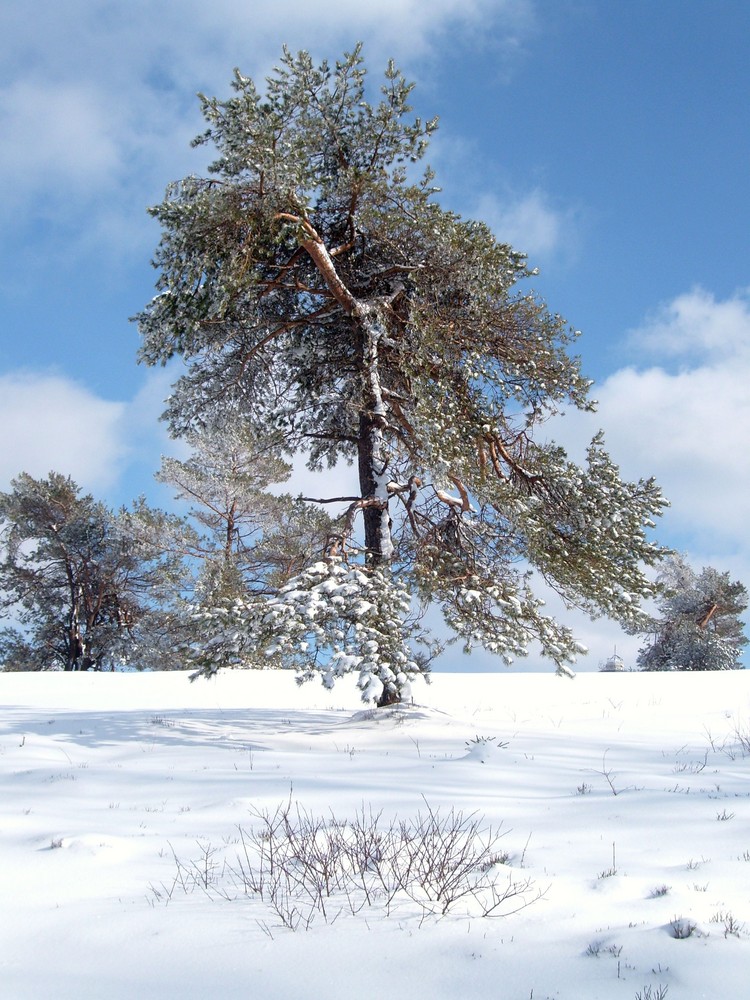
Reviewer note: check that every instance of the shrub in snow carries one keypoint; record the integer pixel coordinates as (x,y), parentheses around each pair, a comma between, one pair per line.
(681,927)
(653,993)
(658,891)
(301,867)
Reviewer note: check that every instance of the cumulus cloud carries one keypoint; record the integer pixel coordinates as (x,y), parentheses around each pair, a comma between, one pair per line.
(60,133)
(50,423)
(694,326)
(111,448)
(686,417)
(99,99)
(529,222)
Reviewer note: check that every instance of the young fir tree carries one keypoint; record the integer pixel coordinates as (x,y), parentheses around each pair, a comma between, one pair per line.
(314,287)
(700,626)
(90,588)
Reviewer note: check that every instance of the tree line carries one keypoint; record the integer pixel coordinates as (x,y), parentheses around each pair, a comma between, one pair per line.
(327,308)
(92,588)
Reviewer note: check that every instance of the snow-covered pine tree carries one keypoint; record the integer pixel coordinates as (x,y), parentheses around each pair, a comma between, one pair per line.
(252,540)
(334,617)
(314,286)
(90,588)
(700,626)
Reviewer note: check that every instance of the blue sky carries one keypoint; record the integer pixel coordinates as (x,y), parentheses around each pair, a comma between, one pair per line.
(609,140)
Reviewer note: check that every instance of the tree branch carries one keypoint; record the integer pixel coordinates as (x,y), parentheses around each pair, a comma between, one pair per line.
(322,259)
(331,499)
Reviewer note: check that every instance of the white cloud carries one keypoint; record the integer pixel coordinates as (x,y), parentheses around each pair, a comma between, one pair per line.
(58,135)
(100,98)
(689,427)
(529,222)
(50,423)
(685,421)
(142,415)
(340,481)
(695,324)
(398,28)
(111,448)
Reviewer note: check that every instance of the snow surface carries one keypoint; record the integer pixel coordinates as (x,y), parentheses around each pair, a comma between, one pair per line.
(104,779)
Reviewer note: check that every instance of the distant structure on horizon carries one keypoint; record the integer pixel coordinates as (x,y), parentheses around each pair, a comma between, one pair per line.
(614,664)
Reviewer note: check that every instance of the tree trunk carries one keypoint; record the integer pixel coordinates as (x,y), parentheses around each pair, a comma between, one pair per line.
(371,448)
(229,535)
(373,455)
(390,696)
(373,417)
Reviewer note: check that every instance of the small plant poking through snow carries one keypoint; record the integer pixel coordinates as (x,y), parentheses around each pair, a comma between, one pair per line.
(732,926)
(483,748)
(607,774)
(160,720)
(692,864)
(303,867)
(658,891)
(647,993)
(596,948)
(610,872)
(742,736)
(680,928)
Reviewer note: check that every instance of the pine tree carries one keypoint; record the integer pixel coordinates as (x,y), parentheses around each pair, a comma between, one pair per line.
(89,588)
(700,626)
(333,618)
(252,540)
(314,287)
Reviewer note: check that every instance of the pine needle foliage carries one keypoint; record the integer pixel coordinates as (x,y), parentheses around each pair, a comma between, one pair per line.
(88,587)
(316,289)
(250,540)
(700,627)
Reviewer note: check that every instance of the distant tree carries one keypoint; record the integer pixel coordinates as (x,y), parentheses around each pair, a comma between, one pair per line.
(700,626)
(315,288)
(87,587)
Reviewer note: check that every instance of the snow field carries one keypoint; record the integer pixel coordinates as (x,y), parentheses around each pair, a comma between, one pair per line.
(624,798)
